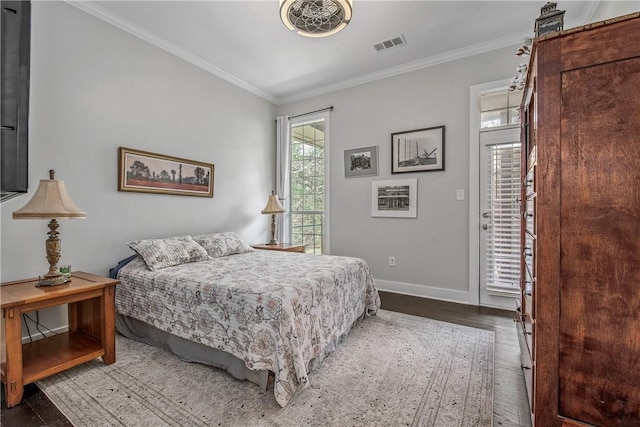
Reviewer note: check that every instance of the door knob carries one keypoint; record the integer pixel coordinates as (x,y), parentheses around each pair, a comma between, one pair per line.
(485,227)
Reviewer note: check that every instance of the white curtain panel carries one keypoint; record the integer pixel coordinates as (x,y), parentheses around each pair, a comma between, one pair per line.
(283,151)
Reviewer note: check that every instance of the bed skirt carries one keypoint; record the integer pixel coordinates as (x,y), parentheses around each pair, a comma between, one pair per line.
(189,351)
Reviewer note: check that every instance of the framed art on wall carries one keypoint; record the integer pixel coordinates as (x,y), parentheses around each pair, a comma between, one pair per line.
(396,198)
(420,150)
(361,161)
(145,172)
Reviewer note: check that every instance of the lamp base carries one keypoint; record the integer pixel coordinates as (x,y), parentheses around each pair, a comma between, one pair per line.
(53,281)
(273,240)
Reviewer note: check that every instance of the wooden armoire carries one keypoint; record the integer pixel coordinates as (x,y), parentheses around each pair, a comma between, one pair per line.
(580,306)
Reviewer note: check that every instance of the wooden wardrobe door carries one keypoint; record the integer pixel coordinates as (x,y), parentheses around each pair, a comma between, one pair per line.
(599,354)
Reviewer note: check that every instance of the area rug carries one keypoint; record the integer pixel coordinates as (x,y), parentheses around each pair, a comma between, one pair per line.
(393,369)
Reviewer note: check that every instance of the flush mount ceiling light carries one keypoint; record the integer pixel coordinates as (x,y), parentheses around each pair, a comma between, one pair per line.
(316,18)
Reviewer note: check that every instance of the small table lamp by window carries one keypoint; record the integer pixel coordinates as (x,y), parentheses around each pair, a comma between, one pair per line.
(51,201)
(273,207)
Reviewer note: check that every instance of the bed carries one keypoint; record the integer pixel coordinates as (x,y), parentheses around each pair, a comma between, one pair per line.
(213,299)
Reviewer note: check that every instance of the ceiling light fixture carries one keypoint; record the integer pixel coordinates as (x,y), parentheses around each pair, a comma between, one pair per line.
(316,18)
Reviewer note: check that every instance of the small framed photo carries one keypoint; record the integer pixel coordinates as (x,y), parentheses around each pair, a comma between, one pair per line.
(397,198)
(420,150)
(145,172)
(361,161)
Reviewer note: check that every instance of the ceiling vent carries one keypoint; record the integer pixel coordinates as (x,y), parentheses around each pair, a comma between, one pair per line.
(391,43)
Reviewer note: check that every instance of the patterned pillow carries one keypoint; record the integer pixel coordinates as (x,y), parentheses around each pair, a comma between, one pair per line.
(161,253)
(223,244)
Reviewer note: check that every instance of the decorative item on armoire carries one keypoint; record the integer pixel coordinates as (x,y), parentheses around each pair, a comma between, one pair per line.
(518,81)
(550,19)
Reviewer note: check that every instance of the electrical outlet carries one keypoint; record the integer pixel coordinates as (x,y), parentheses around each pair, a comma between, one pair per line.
(392,261)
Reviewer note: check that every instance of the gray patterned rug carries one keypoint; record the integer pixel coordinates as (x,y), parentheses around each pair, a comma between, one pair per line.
(393,369)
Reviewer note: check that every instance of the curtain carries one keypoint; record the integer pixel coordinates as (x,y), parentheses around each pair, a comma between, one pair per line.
(283,152)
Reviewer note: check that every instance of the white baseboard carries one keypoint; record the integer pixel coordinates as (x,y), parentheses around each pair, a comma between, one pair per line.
(461,297)
(35,335)
(502,302)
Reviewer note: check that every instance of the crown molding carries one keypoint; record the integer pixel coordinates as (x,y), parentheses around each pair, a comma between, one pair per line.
(90,7)
(117,21)
(586,17)
(453,55)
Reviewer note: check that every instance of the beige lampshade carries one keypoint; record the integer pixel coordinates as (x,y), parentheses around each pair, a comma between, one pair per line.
(273,205)
(50,201)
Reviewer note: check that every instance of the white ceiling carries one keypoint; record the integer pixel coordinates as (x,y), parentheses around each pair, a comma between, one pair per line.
(245,42)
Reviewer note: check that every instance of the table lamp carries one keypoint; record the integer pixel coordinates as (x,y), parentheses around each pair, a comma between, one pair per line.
(273,207)
(51,201)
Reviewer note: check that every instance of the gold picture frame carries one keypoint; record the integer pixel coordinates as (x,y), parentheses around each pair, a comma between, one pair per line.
(145,172)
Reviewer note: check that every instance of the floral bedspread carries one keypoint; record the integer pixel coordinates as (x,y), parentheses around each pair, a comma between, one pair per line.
(276,311)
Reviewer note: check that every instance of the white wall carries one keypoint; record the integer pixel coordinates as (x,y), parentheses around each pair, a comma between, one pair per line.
(94,88)
(431,251)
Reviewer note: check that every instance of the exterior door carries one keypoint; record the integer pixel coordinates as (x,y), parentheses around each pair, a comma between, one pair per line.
(499,238)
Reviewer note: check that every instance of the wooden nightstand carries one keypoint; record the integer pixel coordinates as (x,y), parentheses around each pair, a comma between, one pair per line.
(91,305)
(284,247)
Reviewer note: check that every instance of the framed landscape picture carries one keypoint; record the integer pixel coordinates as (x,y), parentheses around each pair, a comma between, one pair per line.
(361,161)
(146,172)
(397,198)
(420,150)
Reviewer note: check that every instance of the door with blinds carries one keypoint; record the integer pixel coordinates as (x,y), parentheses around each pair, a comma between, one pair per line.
(499,217)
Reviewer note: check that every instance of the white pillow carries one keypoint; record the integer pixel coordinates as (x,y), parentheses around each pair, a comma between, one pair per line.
(161,253)
(223,244)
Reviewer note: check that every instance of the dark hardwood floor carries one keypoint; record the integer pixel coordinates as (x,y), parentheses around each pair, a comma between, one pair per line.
(510,402)
(35,410)
(511,407)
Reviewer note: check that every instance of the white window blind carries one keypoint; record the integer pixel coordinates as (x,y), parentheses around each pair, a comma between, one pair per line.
(503,233)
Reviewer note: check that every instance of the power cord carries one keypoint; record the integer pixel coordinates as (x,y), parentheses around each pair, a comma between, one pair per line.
(24,319)
(37,323)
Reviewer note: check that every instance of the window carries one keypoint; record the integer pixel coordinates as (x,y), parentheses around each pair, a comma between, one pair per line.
(500,108)
(307,213)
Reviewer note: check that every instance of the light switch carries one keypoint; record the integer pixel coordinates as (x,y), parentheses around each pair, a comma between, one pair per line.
(459,194)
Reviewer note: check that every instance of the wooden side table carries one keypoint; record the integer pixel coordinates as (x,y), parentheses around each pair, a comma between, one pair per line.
(91,310)
(284,247)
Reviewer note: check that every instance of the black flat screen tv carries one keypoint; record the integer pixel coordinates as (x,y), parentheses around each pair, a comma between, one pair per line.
(14,106)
